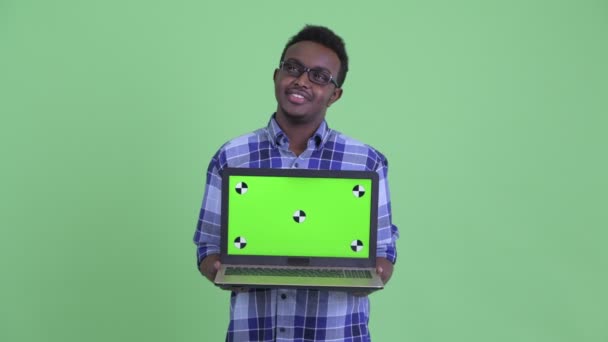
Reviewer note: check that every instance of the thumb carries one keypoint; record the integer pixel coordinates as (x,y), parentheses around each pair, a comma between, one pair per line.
(379,270)
(216,265)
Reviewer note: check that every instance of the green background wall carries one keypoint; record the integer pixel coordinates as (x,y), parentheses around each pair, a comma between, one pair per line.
(493,115)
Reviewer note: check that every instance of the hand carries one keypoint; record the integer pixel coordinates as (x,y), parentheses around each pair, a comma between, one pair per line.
(209,266)
(384,268)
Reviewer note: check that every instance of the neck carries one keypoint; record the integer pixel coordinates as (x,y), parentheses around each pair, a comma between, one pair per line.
(298,132)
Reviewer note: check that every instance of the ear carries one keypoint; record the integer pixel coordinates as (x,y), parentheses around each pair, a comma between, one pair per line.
(335,96)
(274,75)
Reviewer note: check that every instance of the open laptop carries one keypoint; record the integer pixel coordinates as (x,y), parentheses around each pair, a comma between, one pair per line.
(299,228)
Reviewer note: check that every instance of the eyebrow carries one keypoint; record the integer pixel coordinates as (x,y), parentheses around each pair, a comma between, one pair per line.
(294,60)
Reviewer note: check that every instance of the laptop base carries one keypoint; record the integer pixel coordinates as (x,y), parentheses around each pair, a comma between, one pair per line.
(309,282)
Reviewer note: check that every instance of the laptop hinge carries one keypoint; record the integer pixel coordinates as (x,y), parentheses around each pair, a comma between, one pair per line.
(298,261)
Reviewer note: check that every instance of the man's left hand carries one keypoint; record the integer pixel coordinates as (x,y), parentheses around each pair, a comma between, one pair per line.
(384,268)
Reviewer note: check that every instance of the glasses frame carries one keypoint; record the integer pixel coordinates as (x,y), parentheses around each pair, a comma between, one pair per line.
(307,71)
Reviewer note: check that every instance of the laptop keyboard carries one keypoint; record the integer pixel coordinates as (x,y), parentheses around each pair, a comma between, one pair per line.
(298,272)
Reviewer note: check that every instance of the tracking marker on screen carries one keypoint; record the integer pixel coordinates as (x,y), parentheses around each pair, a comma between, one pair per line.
(240,242)
(241,188)
(358,191)
(299,216)
(356,246)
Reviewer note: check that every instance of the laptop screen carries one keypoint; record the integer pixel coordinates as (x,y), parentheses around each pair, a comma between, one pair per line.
(309,215)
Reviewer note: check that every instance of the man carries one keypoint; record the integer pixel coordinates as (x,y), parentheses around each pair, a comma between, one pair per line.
(309,79)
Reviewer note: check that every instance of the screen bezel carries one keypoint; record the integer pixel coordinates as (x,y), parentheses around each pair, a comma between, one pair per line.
(298,260)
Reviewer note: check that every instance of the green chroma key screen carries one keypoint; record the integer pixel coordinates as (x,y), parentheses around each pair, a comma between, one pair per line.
(297,216)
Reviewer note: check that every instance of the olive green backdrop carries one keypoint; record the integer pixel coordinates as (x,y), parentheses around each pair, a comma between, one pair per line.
(491,113)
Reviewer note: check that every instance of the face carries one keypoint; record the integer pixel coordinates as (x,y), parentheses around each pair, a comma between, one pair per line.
(300,100)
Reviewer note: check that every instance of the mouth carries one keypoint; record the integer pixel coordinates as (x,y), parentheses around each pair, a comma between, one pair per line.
(297,96)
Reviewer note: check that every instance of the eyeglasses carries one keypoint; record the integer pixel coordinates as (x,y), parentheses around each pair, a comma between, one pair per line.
(318,76)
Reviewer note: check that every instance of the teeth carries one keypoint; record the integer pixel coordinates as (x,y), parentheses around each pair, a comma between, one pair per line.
(298,96)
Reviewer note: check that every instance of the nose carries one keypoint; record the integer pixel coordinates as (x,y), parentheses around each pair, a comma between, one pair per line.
(303,79)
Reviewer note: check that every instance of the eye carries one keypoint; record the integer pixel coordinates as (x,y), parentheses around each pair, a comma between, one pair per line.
(292,68)
(320,76)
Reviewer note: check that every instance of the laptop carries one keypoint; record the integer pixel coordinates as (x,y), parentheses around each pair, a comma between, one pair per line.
(293,228)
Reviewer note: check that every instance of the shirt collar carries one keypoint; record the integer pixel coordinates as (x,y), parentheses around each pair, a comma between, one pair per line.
(279,138)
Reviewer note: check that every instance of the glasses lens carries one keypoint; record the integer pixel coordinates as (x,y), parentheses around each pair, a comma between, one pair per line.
(293,69)
(319,76)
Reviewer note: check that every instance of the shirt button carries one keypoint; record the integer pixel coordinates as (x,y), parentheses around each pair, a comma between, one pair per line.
(296,165)
(283,296)
(282,329)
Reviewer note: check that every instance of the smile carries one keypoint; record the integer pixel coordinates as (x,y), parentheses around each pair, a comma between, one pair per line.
(296,97)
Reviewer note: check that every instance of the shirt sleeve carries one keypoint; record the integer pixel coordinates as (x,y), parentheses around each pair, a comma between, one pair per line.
(207,234)
(388,233)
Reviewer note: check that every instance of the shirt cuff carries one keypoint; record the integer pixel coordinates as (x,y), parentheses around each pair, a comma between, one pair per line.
(203,252)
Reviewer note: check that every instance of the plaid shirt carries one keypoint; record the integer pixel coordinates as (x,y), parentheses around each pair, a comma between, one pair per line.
(295,314)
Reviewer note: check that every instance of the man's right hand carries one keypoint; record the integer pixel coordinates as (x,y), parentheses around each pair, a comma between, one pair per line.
(209,266)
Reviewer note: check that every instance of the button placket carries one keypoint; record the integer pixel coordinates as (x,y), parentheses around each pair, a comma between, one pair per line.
(286,308)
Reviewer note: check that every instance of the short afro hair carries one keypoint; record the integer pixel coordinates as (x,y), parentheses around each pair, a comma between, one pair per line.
(326,37)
